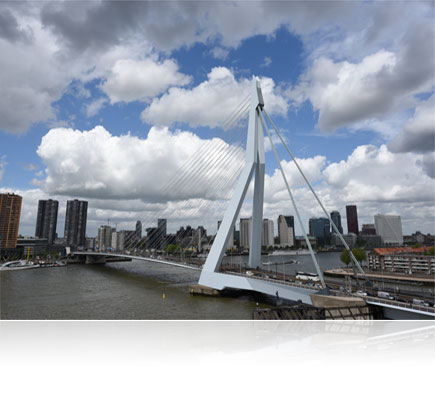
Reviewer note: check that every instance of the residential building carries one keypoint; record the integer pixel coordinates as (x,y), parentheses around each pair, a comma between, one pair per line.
(245,232)
(320,228)
(10,212)
(75,222)
(286,230)
(46,220)
(336,219)
(352,219)
(267,237)
(105,237)
(407,260)
(389,228)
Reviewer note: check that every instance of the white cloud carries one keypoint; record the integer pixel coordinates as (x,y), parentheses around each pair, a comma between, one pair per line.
(95,106)
(211,102)
(219,53)
(267,62)
(350,93)
(97,165)
(131,80)
(345,93)
(418,134)
(3,164)
(372,177)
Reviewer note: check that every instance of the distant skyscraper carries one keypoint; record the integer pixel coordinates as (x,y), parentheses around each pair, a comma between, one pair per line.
(245,232)
(75,222)
(336,219)
(161,225)
(138,229)
(389,228)
(10,211)
(286,230)
(352,219)
(267,238)
(320,228)
(46,220)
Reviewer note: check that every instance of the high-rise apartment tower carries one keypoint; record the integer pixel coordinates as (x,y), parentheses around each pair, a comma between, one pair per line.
(46,220)
(75,222)
(10,212)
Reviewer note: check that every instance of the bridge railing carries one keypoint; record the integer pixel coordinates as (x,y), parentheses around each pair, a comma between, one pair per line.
(400,304)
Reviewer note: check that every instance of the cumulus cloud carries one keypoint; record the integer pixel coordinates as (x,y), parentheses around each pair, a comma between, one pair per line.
(131,80)
(418,134)
(346,93)
(99,165)
(211,102)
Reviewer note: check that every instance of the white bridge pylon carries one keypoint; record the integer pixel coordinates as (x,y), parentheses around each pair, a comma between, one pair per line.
(255,163)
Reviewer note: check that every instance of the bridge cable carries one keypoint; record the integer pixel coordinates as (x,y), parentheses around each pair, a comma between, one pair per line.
(316,197)
(319,272)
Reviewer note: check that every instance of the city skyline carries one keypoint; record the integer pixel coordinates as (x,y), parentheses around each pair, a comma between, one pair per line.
(128,102)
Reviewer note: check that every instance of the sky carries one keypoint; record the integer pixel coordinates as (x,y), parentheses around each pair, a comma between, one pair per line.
(108,101)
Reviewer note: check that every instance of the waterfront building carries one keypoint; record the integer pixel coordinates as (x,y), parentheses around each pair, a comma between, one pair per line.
(389,228)
(419,238)
(350,240)
(161,225)
(286,230)
(46,220)
(301,243)
(138,229)
(245,232)
(230,243)
(320,228)
(75,222)
(370,241)
(115,241)
(336,219)
(406,260)
(105,237)
(32,246)
(10,212)
(352,219)
(90,243)
(126,239)
(267,237)
(368,229)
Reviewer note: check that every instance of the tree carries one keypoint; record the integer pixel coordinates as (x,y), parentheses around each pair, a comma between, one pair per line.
(359,254)
(171,248)
(345,257)
(430,251)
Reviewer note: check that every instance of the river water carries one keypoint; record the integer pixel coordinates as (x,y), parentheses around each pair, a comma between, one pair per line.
(129,290)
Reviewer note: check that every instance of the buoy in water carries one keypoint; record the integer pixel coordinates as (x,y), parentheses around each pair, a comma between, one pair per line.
(164,296)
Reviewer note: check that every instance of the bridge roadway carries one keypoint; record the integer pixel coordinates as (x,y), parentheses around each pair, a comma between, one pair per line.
(156,260)
(391,309)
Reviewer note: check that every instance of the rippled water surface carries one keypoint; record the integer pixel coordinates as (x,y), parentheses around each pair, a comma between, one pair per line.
(128,290)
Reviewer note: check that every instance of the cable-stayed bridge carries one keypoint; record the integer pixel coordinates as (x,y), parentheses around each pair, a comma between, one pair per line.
(217,179)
